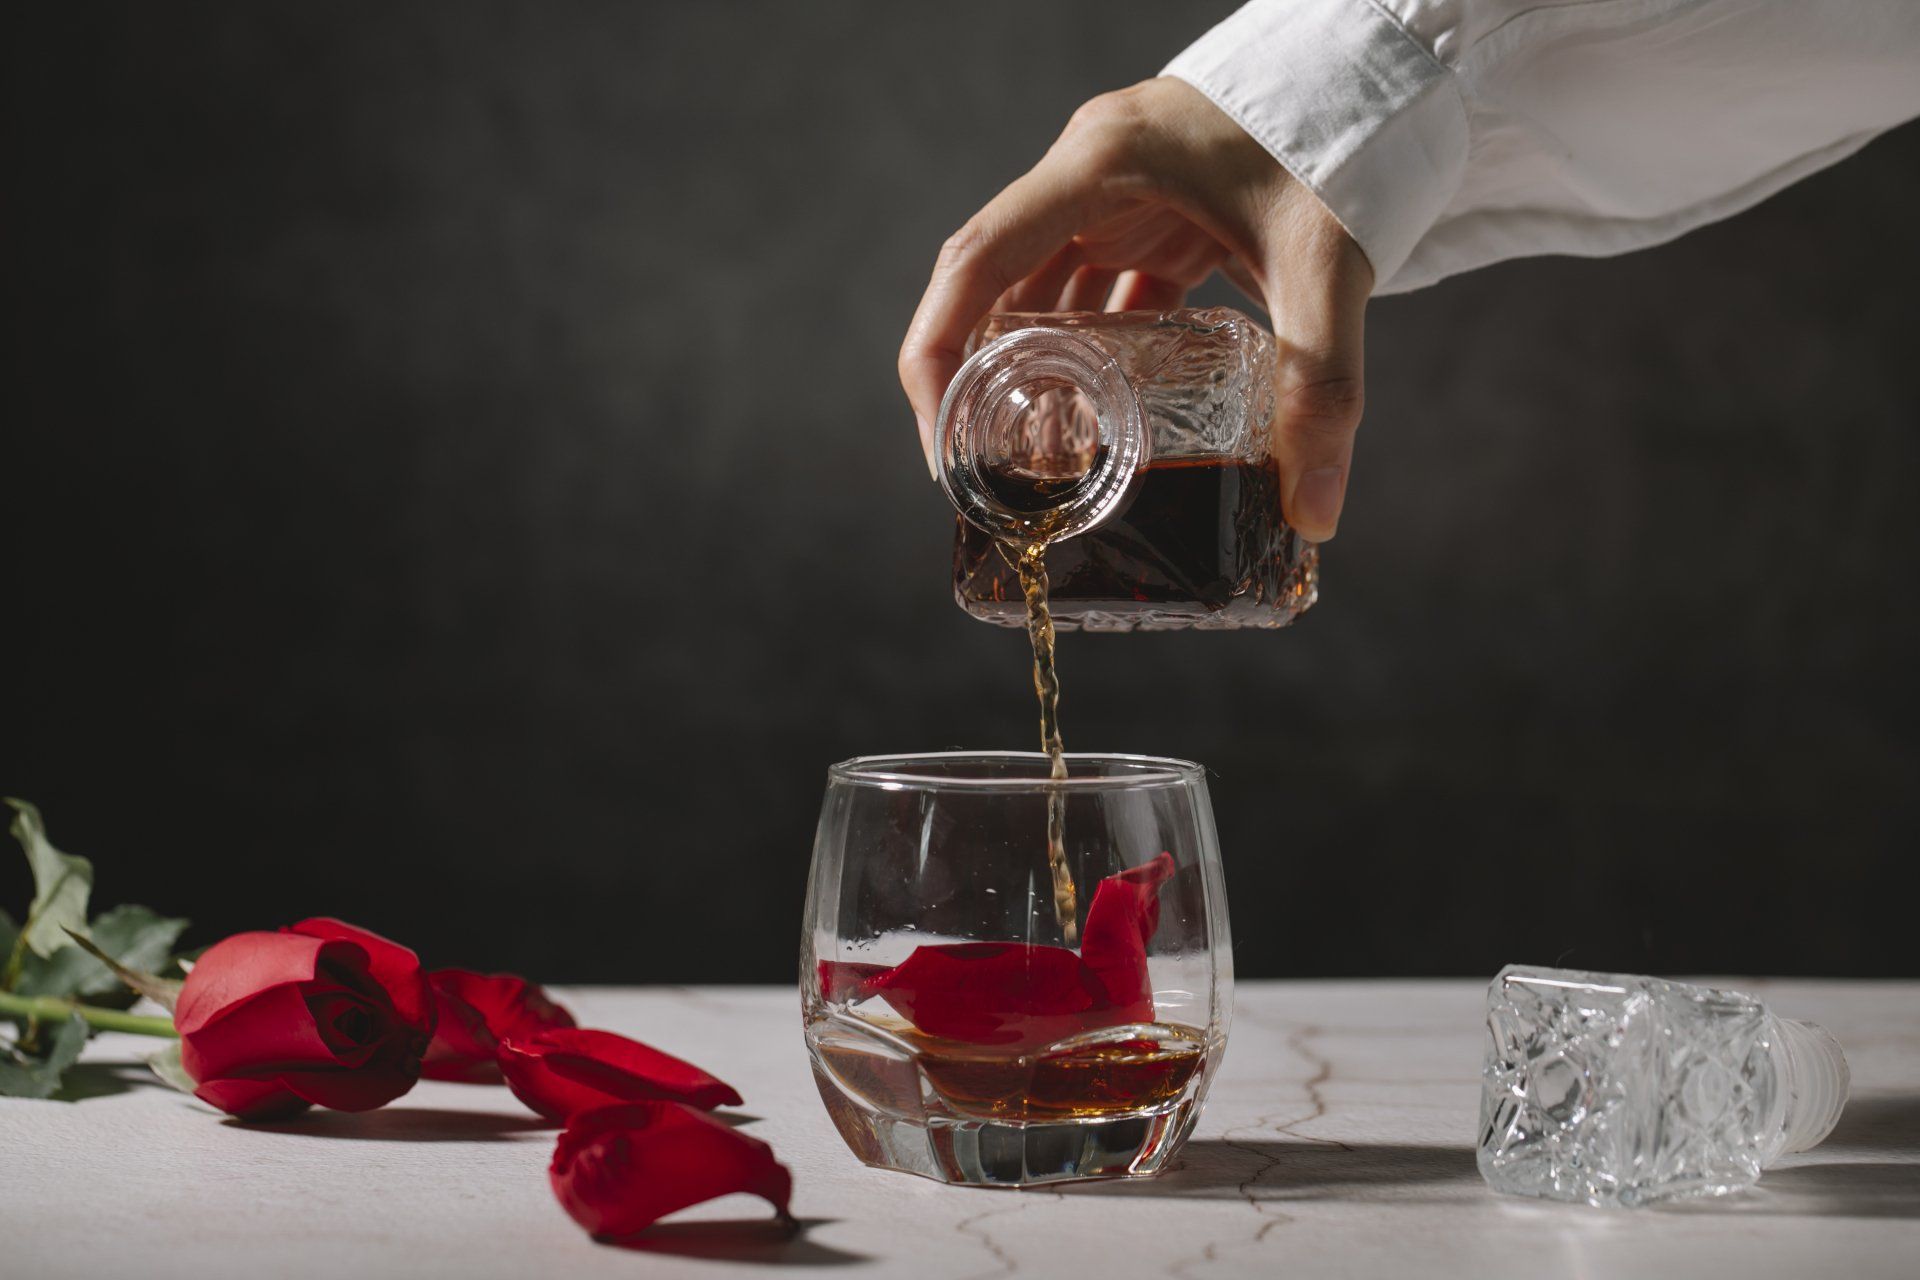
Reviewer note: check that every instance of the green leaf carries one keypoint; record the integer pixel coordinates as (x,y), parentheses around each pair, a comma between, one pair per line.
(27,1076)
(61,883)
(167,1065)
(137,937)
(159,936)
(134,937)
(63,973)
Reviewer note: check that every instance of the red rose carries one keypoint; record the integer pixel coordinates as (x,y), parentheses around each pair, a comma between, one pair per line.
(617,1170)
(476,1012)
(565,1072)
(320,1013)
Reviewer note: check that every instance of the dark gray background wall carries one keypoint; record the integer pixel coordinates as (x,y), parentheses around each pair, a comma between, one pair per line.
(455,480)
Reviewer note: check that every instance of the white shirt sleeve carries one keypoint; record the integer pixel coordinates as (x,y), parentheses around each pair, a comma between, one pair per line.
(1449,134)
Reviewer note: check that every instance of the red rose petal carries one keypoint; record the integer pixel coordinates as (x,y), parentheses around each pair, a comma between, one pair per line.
(512,1006)
(354,1026)
(847,981)
(236,968)
(476,1012)
(562,1073)
(462,1049)
(254,1101)
(1006,993)
(617,1170)
(1121,921)
(393,966)
(255,1037)
(366,1089)
(1022,995)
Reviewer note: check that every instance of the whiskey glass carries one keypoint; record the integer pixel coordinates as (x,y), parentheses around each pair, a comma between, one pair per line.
(966,1021)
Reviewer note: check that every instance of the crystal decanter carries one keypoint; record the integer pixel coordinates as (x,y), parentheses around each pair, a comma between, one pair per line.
(1613,1089)
(1137,447)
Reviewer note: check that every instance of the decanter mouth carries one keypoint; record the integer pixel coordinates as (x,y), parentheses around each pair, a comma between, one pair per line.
(1040,436)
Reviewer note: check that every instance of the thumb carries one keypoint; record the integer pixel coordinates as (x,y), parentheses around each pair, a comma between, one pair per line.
(1317,296)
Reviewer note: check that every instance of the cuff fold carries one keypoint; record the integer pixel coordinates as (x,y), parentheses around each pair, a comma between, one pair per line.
(1352,104)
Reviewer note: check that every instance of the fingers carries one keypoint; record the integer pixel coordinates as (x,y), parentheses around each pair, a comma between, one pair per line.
(1018,232)
(1127,273)
(1122,214)
(1138,291)
(1088,289)
(1317,295)
(1041,291)
(1243,279)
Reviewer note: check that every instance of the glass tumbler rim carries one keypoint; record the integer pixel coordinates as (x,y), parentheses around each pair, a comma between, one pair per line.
(917,771)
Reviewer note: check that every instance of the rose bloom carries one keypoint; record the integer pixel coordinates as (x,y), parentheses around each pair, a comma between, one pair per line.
(318,1014)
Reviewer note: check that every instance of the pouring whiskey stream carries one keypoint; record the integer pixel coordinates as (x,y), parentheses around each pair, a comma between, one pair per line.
(1113,472)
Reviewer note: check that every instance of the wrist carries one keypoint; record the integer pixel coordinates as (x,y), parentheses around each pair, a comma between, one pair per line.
(1230,182)
(1354,106)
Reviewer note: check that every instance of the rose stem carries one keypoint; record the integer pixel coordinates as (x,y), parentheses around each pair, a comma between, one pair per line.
(52,1009)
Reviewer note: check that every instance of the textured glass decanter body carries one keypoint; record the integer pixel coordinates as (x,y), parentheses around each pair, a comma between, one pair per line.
(1612,1089)
(1137,446)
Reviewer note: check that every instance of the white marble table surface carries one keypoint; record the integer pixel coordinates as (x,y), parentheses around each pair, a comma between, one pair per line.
(1337,1143)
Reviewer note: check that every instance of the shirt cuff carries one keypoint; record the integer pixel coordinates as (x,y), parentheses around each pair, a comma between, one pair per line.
(1351,104)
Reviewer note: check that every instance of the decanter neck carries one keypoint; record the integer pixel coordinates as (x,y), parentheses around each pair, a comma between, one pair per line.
(1815,1075)
(1040,436)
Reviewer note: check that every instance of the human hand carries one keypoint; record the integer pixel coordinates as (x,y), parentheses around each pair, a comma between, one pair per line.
(1147,193)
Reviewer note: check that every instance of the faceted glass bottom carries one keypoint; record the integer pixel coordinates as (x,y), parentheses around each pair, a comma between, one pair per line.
(1114,1104)
(1008,1153)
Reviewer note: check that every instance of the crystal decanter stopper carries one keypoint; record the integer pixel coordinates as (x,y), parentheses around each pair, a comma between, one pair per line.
(1612,1089)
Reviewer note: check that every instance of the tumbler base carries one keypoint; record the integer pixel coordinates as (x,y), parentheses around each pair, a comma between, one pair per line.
(1010,1153)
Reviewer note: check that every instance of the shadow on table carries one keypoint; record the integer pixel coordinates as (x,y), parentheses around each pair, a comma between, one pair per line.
(1879,1122)
(104,1079)
(406,1124)
(1262,1170)
(758,1241)
(1846,1189)
(1214,1168)
(1840,1187)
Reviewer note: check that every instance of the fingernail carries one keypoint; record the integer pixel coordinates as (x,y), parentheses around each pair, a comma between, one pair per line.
(926,445)
(1316,502)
